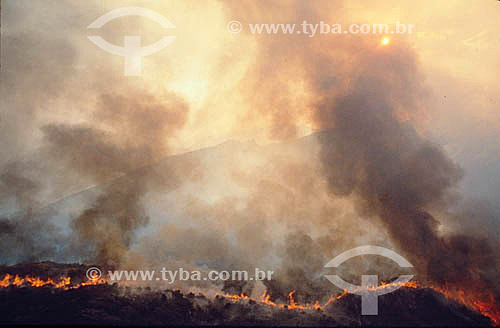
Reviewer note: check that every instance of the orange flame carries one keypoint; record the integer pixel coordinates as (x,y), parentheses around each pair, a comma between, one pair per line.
(486,307)
(63,282)
(484,304)
(292,304)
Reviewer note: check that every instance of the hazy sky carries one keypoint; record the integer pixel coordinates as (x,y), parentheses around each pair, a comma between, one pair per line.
(71,120)
(53,73)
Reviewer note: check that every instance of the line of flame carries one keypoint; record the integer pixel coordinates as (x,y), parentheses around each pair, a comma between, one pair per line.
(487,307)
(64,282)
(484,305)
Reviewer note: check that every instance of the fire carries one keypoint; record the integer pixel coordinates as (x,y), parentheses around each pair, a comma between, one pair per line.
(5,282)
(62,282)
(486,307)
(265,299)
(484,304)
(292,304)
(235,298)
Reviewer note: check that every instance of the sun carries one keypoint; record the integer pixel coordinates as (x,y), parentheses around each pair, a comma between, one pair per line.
(385,41)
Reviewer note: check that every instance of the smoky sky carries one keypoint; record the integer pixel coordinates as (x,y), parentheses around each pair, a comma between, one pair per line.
(366,174)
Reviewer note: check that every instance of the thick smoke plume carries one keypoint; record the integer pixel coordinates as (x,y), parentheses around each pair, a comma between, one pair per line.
(141,128)
(396,175)
(368,100)
(368,174)
(133,132)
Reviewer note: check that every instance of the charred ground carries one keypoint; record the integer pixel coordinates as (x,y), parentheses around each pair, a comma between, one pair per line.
(111,304)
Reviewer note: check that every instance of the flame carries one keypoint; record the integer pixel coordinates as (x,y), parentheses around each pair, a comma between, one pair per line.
(292,304)
(235,298)
(62,282)
(484,304)
(265,299)
(5,282)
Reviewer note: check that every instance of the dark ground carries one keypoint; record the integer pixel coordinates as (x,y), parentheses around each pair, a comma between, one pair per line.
(113,305)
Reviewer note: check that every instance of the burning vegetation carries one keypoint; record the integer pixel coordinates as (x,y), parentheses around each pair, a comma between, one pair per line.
(340,309)
(367,172)
(63,282)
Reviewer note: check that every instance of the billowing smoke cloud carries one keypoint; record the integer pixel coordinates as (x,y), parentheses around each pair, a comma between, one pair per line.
(25,236)
(367,98)
(136,131)
(369,176)
(395,174)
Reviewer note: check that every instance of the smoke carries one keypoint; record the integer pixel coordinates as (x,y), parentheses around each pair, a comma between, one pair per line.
(113,151)
(368,176)
(399,178)
(135,132)
(26,236)
(16,186)
(368,100)
(31,238)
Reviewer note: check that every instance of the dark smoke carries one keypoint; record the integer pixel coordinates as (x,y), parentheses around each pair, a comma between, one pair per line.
(128,134)
(28,238)
(25,236)
(110,224)
(16,187)
(267,207)
(393,173)
(141,127)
